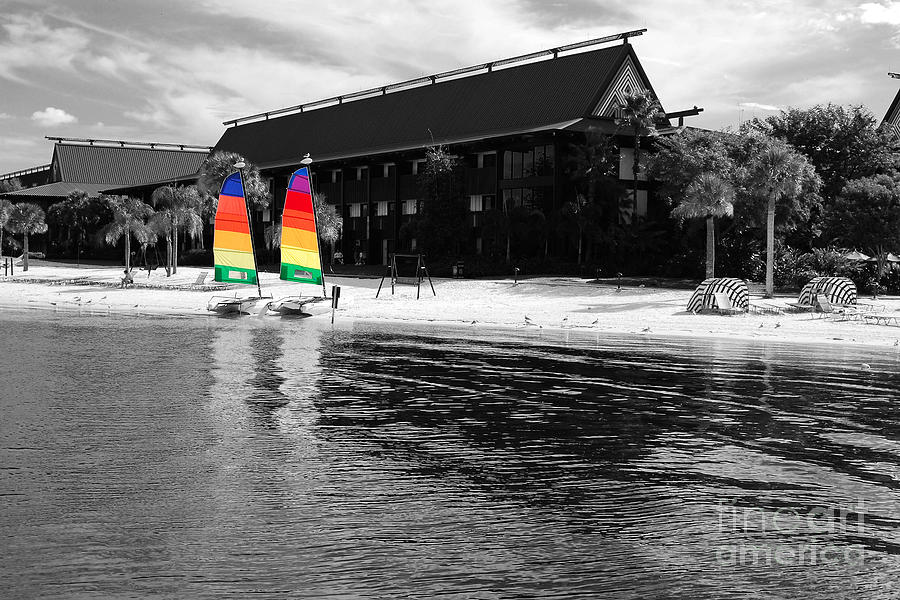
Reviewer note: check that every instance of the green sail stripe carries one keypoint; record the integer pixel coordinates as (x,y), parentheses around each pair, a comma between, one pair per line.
(289,273)
(228,274)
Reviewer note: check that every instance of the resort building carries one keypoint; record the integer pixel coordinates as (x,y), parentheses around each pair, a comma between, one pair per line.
(511,122)
(105,166)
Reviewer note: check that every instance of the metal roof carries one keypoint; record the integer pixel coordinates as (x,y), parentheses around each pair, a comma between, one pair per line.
(59,189)
(526,97)
(110,165)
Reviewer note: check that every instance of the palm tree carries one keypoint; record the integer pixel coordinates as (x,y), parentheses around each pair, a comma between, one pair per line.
(5,210)
(27,219)
(578,210)
(129,219)
(775,171)
(638,114)
(707,197)
(180,211)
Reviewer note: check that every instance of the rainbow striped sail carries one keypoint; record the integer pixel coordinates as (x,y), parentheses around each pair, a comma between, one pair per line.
(300,259)
(232,245)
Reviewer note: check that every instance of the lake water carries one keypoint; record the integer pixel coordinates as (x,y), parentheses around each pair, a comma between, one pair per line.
(195,458)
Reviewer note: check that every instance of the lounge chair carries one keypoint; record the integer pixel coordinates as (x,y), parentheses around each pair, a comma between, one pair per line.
(796,306)
(724,306)
(765,308)
(841,313)
(201,285)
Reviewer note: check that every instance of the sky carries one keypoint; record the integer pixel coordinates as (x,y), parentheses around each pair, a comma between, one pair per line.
(173,70)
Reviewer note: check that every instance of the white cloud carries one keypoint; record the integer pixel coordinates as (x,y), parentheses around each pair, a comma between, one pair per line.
(52,117)
(4,116)
(758,106)
(31,44)
(875,13)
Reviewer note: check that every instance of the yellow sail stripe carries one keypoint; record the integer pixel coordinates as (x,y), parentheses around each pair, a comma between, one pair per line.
(234,258)
(296,256)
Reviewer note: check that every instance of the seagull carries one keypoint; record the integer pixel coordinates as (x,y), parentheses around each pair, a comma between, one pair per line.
(473,322)
(646,329)
(565,319)
(528,320)
(897,342)
(866,367)
(595,321)
(761,325)
(777,325)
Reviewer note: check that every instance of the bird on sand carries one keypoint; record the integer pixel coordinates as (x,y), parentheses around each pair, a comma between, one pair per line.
(595,321)
(866,367)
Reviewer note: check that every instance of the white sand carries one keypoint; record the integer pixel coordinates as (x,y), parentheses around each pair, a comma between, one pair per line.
(550,302)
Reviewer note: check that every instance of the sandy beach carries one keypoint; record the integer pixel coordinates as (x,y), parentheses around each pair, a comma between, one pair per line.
(545,302)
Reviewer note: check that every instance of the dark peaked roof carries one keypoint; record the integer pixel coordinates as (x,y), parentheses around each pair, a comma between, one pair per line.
(546,94)
(113,165)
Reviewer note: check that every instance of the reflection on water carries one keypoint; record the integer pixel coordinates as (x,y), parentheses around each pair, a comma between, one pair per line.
(273,458)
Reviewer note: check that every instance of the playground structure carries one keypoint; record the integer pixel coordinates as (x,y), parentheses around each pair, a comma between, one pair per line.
(407,269)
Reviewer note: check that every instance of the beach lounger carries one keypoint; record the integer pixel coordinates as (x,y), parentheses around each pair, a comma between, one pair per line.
(765,308)
(881,319)
(796,306)
(201,285)
(724,306)
(840,313)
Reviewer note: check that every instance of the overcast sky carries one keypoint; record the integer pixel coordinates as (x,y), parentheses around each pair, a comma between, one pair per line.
(173,70)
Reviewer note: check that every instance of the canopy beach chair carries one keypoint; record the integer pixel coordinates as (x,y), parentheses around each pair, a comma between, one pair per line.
(735,290)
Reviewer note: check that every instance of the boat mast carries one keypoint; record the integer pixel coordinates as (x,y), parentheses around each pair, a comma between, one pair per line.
(240,167)
(306,161)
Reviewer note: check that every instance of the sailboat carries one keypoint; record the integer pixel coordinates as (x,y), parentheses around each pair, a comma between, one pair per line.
(301,260)
(233,256)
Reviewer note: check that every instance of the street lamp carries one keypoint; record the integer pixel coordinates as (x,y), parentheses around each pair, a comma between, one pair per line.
(239,165)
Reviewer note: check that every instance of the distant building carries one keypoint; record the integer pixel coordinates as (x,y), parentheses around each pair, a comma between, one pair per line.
(510,121)
(104,166)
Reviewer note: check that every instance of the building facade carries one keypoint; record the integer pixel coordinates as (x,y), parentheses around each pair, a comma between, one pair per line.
(510,123)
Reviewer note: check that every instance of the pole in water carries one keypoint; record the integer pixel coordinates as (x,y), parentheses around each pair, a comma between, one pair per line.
(515,275)
(335,296)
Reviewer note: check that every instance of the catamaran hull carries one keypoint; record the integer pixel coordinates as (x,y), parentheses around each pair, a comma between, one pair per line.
(224,305)
(299,306)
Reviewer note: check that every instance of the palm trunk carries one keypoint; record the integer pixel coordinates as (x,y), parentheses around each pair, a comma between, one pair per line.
(1,240)
(770,248)
(175,252)
(127,249)
(710,247)
(580,241)
(635,166)
(25,257)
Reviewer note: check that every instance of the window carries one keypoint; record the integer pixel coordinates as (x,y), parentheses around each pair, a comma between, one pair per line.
(355,209)
(381,209)
(537,161)
(475,203)
(488,202)
(418,166)
(335,176)
(518,198)
(487,160)
(408,207)
(361,173)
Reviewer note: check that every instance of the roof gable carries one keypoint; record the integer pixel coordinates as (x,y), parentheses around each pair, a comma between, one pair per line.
(522,98)
(892,118)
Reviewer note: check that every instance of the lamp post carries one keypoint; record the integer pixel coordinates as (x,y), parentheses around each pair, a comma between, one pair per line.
(306,161)
(239,165)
